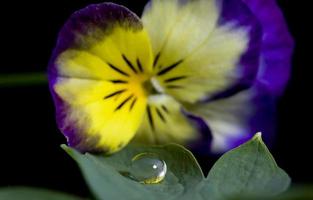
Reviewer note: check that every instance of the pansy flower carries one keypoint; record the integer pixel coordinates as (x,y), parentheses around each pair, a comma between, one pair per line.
(183,72)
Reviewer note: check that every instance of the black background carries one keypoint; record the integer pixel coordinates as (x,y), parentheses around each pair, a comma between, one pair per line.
(29,138)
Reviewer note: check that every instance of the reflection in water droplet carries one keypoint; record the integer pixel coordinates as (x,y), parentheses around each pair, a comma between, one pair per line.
(147,168)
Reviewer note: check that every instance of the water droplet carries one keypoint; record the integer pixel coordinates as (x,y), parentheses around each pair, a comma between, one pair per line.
(147,168)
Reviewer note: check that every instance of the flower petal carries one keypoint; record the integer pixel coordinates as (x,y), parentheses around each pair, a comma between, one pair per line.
(165,122)
(173,24)
(102,56)
(227,118)
(233,120)
(110,32)
(203,47)
(277,45)
(98,115)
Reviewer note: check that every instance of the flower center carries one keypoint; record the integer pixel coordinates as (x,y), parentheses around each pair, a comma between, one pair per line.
(152,87)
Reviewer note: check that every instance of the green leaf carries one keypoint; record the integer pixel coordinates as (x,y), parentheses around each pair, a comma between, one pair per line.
(25,193)
(103,174)
(249,170)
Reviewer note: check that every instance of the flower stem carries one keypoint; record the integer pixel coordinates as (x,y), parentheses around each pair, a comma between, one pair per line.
(22,79)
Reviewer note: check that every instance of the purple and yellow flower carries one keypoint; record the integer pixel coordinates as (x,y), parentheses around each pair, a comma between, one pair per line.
(186,70)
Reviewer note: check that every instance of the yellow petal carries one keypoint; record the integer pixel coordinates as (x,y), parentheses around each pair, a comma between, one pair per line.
(182,28)
(195,57)
(164,122)
(103,58)
(101,111)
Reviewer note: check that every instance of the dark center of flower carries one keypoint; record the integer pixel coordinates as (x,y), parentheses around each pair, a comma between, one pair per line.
(152,87)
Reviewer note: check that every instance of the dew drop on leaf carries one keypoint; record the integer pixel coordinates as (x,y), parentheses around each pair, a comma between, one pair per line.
(147,168)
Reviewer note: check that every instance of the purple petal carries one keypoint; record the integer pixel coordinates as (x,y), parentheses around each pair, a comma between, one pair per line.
(275,66)
(261,119)
(237,14)
(277,45)
(202,145)
(236,119)
(273,74)
(265,114)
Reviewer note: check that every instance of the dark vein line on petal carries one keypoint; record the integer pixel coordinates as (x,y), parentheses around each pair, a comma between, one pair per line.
(150,117)
(130,65)
(165,109)
(133,104)
(124,102)
(177,78)
(119,81)
(160,115)
(169,68)
(118,70)
(156,59)
(114,93)
(174,87)
(139,65)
